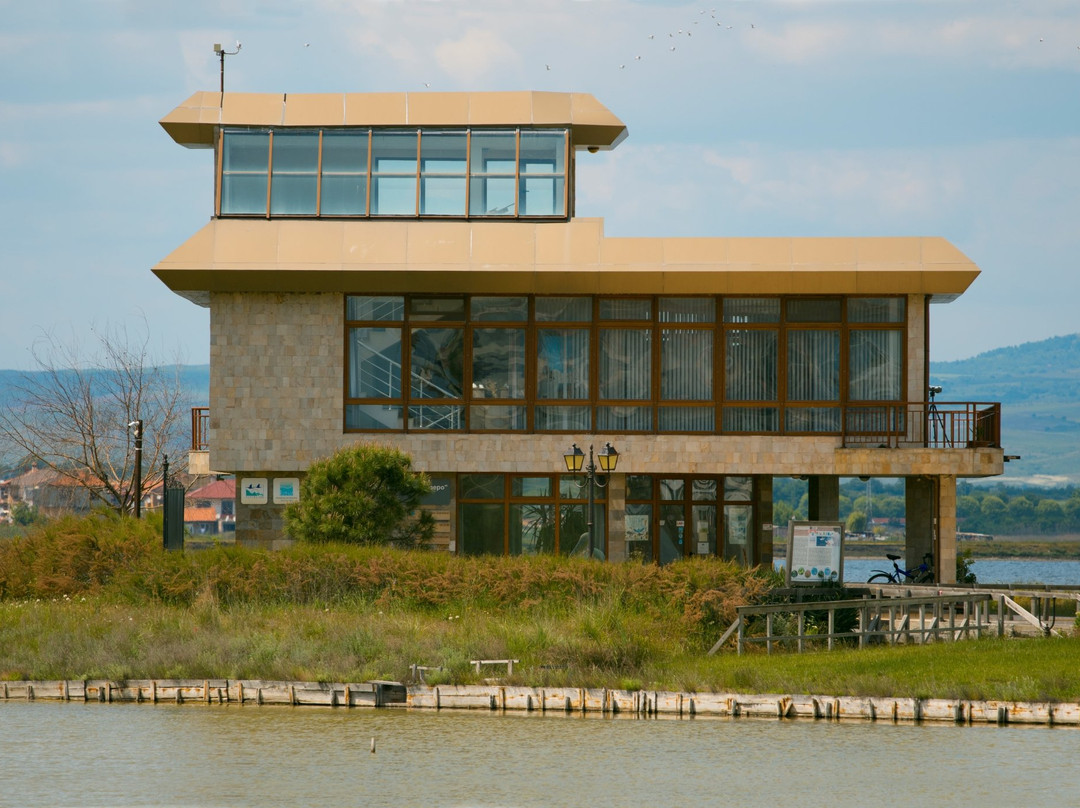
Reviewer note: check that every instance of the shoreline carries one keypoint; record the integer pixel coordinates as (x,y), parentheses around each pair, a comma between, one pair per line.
(599,702)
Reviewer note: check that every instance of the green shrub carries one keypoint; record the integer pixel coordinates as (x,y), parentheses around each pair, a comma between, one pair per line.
(362,495)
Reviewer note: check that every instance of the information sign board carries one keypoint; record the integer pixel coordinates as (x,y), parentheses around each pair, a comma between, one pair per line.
(815,553)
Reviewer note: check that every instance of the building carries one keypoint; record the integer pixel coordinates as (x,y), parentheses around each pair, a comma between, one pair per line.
(211,508)
(407,269)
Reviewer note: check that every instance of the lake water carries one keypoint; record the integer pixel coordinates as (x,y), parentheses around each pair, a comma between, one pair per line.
(56,754)
(987,571)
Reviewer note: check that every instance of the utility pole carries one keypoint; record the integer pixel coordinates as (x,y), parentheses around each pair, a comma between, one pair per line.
(137,481)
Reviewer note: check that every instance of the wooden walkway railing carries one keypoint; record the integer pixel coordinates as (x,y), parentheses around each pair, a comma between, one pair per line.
(913,619)
(898,613)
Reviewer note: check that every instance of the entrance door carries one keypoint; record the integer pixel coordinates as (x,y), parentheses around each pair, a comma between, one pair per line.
(668,518)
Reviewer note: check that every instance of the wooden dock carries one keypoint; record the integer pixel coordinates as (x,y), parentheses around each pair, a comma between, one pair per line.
(554,700)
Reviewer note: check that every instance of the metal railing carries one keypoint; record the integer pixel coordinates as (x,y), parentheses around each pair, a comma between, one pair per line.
(200,429)
(922,424)
(918,618)
(940,425)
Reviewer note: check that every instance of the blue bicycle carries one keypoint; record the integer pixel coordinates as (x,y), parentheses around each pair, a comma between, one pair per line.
(922,574)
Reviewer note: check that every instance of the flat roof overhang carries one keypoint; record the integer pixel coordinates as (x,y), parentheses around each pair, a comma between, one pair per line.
(593,126)
(382,256)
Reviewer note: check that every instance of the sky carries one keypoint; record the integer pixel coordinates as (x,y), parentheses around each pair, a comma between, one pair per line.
(958,118)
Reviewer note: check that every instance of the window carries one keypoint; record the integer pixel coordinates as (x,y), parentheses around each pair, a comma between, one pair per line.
(669,518)
(245,166)
(295,175)
(502,363)
(361,172)
(527,515)
(344,174)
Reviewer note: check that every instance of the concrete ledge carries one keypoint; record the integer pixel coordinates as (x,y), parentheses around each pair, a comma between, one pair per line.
(564,700)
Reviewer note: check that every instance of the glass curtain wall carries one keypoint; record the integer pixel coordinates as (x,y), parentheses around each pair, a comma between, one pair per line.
(578,364)
(394,172)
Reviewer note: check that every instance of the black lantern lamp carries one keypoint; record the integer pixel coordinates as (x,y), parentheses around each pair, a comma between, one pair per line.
(575,462)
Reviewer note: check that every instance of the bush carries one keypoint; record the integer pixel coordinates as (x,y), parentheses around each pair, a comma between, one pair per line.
(26,515)
(362,495)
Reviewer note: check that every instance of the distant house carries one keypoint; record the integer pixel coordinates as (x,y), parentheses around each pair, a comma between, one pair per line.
(52,493)
(211,509)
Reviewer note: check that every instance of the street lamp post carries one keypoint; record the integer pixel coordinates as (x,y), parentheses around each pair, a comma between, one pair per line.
(137,479)
(575,460)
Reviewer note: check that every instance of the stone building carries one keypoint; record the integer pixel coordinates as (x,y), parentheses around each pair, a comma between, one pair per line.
(408,269)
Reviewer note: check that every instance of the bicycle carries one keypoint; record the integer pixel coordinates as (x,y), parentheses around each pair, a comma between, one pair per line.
(922,574)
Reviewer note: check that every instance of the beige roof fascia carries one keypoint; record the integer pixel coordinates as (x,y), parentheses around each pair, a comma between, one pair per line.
(593,126)
(290,255)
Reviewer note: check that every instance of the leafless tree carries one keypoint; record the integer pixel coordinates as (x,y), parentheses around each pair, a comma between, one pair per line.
(72,414)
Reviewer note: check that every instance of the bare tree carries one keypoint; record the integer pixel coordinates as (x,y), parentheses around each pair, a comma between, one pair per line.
(74,414)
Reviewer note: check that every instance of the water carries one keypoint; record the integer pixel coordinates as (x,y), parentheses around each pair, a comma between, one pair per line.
(56,754)
(987,571)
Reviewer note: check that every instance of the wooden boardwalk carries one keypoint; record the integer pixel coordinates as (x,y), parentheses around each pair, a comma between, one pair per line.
(555,700)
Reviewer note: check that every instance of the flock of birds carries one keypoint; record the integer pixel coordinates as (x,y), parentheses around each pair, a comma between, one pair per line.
(687,32)
(673,36)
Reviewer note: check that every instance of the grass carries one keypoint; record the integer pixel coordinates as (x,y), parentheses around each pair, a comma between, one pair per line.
(97,598)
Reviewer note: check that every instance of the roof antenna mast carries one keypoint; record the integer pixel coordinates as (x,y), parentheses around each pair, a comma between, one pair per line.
(222,53)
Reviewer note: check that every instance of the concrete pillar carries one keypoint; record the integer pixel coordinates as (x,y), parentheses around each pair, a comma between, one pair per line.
(919,510)
(946,552)
(823,495)
(763,532)
(616,518)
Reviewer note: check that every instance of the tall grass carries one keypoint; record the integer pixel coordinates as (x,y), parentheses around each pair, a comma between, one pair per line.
(97,597)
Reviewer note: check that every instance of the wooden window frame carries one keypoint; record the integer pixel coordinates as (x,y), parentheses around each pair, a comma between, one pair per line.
(532,328)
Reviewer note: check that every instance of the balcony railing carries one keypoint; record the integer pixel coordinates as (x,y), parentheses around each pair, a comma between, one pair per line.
(200,429)
(931,425)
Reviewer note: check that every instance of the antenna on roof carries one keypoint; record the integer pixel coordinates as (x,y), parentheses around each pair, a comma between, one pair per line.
(222,53)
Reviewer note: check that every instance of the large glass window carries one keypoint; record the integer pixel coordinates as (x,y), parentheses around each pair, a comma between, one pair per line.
(344,174)
(442,173)
(436,363)
(562,356)
(875,365)
(625,363)
(498,363)
(813,365)
(544,364)
(669,518)
(493,173)
(394,172)
(542,188)
(245,167)
(528,515)
(295,177)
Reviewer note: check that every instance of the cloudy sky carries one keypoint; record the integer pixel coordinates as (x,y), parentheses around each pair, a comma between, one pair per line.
(958,118)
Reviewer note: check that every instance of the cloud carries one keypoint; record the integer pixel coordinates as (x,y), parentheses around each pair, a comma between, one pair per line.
(478,54)
(800,43)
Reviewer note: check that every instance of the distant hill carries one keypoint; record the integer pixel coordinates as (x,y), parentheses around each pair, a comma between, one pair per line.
(194,379)
(1038,385)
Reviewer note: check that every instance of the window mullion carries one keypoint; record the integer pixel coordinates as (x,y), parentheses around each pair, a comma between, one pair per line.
(269,172)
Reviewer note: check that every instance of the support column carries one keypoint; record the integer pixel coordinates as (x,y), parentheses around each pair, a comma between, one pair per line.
(763,529)
(823,495)
(919,511)
(946,524)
